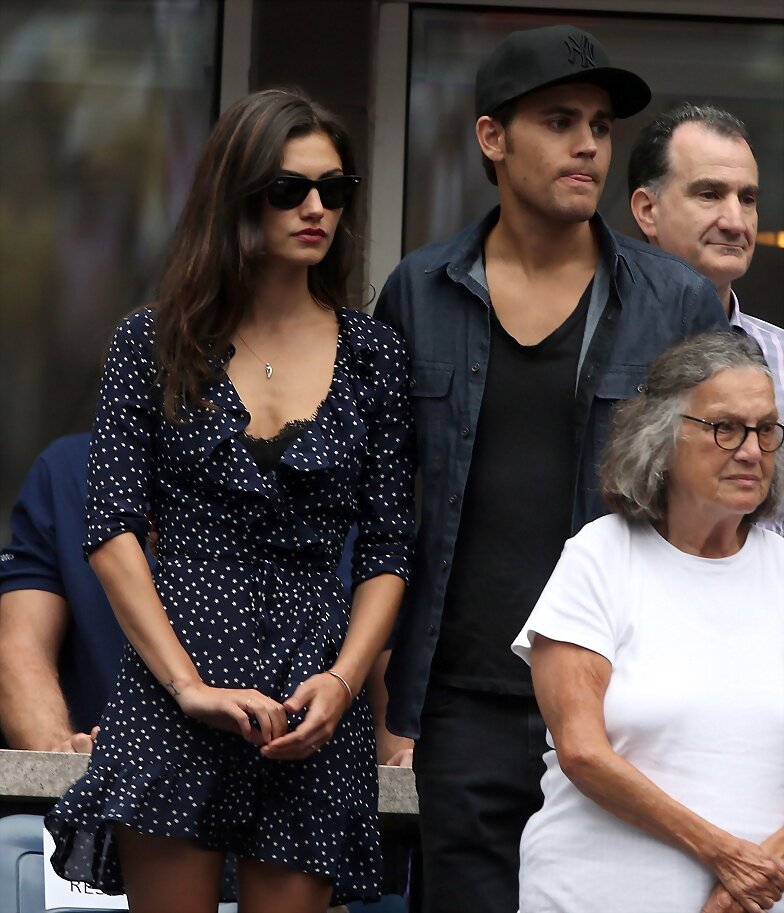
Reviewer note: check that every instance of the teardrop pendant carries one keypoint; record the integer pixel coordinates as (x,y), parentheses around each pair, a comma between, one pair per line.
(268,370)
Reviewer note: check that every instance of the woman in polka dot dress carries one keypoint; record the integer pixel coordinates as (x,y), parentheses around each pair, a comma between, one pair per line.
(259,419)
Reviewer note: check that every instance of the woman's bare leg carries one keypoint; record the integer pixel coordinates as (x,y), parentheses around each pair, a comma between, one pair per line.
(266,887)
(168,873)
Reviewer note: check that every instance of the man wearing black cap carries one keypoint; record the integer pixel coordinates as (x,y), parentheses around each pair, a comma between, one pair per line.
(523,330)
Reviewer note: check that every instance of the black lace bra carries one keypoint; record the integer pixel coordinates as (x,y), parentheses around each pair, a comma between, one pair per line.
(266,452)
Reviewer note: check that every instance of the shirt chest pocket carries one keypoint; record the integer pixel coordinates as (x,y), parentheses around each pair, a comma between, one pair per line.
(431,382)
(622,382)
(615,384)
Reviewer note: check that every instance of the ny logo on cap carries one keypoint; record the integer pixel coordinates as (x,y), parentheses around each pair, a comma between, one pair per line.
(580,46)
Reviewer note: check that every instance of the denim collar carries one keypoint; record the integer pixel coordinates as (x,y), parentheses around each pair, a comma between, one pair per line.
(462,257)
(460,253)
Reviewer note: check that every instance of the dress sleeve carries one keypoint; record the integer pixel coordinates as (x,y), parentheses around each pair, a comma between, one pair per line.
(385,522)
(581,603)
(121,455)
(30,561)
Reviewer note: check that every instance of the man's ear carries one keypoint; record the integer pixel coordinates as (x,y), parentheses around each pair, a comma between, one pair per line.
(490,135)
(643,204)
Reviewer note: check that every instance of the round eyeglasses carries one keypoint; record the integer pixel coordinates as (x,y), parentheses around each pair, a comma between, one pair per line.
(731,435)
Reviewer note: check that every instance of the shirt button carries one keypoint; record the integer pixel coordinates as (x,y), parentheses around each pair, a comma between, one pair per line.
(453,499)
(465,431)
(641,388)
(413,383)
(475,367)
(444,564)
(431,629)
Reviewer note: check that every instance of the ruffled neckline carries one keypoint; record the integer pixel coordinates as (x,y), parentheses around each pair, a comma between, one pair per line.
(338,425)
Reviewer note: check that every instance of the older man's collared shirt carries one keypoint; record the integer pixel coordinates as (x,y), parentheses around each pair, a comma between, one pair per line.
(643,301)
(770,339)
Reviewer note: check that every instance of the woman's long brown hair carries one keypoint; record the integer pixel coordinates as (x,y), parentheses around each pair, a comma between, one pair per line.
(217,245)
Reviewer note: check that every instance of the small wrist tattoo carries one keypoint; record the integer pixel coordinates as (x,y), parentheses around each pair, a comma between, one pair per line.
(172,687)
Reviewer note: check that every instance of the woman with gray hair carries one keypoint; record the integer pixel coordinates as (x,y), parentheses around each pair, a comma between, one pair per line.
(657,654)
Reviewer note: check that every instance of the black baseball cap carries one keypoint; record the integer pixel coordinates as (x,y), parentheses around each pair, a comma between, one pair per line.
(539,58)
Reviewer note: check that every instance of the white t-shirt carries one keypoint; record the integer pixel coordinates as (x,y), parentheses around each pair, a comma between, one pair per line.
(695,702)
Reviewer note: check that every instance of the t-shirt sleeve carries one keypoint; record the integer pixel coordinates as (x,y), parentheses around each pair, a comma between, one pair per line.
(122,454)
(30,561)
(581,602)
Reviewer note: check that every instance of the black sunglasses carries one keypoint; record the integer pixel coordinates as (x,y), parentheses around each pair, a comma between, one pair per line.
(289,190)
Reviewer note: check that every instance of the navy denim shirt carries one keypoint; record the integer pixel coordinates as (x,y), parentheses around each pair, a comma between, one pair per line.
(643,301)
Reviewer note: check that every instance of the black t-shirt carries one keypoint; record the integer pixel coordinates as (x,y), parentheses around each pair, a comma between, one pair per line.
(516,512)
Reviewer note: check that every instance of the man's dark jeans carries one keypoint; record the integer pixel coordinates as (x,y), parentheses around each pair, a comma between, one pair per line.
(478,765)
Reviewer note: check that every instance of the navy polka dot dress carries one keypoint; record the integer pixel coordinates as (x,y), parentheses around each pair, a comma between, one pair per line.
(247,575)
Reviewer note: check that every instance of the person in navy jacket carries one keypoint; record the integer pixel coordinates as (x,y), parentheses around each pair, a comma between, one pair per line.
(60,644)
(524,330)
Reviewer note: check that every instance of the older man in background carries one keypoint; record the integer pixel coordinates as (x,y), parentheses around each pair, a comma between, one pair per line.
(693,185)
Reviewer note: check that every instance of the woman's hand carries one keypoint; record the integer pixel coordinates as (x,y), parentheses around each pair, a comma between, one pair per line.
(326,700)
(231,709)
(753,877)
(721,901)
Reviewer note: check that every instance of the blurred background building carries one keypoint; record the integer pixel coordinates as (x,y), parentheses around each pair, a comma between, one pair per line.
(104,105)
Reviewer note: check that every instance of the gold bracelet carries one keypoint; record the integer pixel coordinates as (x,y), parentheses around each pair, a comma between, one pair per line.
(340,678)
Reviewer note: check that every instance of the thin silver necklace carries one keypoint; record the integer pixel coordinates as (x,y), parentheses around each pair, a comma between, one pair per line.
(267,365)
